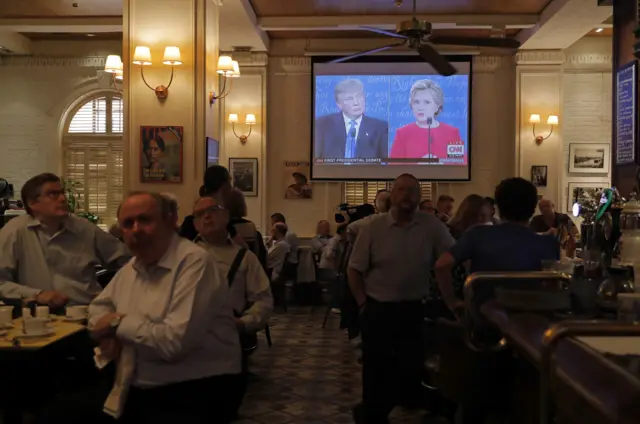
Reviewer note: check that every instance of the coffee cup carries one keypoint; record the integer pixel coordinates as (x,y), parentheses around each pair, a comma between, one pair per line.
(77,312)
(42,312)
(6,315)
(26,312)
(35,325)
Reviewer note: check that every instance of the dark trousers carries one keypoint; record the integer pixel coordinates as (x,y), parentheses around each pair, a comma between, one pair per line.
(208,400)
(392,357)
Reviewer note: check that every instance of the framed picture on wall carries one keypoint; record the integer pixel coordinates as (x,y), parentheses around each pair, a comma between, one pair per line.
(589,158)
(244,173)
(539,175)
(161,154)
(577,192)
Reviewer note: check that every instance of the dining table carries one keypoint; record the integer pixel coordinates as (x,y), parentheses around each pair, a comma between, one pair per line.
(33,368)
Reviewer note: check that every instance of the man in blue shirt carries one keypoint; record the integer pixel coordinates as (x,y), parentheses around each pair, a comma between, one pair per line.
(510,246)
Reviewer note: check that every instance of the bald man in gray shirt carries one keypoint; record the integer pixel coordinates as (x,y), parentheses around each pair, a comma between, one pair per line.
(388,274)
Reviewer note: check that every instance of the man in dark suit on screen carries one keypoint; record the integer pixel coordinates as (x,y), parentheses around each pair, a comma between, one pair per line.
(349,134)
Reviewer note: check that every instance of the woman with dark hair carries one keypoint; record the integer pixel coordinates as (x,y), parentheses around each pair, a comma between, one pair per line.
(474,210)
(154,150)
(217,183)
(244,231)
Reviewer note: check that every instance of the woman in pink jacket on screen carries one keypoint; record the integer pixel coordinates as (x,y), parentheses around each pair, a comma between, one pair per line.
(427,137)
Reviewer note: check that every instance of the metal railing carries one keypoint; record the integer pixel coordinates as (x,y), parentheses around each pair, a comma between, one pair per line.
(560,331)
(504,278)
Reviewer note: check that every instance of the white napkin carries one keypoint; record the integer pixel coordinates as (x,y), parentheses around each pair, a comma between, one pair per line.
(99,359)
(114,405)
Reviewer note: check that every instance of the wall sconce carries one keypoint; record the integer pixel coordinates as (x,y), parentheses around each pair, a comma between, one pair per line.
(228,68)
(535,119)
(142,57)
(249,119)
(113,66)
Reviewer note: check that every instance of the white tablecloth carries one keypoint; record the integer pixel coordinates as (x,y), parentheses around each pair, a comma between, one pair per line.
(306,265)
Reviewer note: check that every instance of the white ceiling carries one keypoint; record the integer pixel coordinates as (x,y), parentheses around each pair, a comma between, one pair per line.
(238,27)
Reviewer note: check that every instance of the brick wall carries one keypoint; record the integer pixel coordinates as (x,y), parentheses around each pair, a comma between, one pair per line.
(36,91)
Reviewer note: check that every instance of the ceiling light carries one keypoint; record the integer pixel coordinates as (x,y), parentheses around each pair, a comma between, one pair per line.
(91,35)
(598,29)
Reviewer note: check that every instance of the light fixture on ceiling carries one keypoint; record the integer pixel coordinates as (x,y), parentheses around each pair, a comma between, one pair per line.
(249,119)
(534,119)
(228,69)
(142,58)
(91,35)
(599,29)
(113,65)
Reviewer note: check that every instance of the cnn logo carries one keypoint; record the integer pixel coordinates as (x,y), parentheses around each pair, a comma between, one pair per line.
(456,150)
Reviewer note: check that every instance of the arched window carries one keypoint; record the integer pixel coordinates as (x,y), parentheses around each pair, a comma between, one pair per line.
(93,155)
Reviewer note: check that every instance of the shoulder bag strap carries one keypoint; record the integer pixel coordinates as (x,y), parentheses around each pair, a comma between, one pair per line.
(231,275)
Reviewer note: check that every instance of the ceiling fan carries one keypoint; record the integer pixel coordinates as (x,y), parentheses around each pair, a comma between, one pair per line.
(417,35)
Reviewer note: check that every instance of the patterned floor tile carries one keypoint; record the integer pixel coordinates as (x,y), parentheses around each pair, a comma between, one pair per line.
(310,375)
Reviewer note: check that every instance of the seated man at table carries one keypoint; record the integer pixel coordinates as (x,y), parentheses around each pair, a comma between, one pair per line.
(168,309)
(510,246)
(51,255)
(278,251)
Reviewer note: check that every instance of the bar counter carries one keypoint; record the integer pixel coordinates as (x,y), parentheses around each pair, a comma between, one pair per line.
(586,385)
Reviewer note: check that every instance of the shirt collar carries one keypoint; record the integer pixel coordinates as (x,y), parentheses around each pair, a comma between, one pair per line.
(200,240)
(67,224)
(392,221)
(167,261)
(348,120)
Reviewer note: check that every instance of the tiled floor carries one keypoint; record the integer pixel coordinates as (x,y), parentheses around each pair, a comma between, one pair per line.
(310,375)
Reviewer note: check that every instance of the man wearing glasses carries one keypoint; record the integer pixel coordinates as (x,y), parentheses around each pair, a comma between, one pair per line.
(49,255)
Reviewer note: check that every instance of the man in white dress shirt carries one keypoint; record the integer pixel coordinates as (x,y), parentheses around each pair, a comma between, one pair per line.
(50,255)
(169,306)
(278,250)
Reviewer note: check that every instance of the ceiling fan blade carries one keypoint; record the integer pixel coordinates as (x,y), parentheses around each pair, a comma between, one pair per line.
(366,52)
(439,62)
(383,32)
(506,43)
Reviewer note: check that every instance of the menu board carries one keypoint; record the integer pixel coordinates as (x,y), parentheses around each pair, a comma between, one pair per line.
(626,110)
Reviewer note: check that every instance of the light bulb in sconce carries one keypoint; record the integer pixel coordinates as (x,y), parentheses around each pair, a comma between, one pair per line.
(142,56)
(236,70)
(534,118)
(172,56)
(225,65)
(250,119)
(113,64)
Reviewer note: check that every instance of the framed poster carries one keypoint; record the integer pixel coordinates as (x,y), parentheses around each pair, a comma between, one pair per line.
(161,154)
(244,174)
(577,192)
(539,175)
(589,158)
(296,180)
(626,114)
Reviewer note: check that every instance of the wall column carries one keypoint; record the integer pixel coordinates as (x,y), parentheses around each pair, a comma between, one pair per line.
(249,95)
(539,90)
(192,26)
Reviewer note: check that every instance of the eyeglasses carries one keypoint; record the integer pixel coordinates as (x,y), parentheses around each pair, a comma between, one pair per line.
(211,209)
(53,194)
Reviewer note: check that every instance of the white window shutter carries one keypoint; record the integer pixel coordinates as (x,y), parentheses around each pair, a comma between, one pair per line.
(93,157)
(357,193)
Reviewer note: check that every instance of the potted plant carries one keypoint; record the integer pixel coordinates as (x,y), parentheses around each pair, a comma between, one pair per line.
(70,188)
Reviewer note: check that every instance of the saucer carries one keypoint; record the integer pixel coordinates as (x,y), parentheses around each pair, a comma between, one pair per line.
(6,326)
(75,319)
(45,333)
(4,332)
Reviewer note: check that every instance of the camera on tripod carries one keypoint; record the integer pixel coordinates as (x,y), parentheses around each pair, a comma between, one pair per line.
(349,213)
